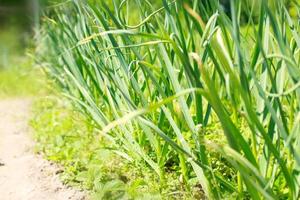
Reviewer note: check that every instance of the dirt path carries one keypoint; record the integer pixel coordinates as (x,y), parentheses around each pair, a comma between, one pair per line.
(24,175)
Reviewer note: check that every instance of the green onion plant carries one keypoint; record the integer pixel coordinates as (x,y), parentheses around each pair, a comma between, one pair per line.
(157,77)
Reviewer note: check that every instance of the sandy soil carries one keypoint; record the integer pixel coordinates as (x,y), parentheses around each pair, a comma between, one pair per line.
(24,175)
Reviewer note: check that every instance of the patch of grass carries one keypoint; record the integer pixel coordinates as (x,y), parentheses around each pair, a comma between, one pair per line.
(19,76)
(21,79)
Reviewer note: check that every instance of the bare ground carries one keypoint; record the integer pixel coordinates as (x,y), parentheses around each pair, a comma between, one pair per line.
(23,174)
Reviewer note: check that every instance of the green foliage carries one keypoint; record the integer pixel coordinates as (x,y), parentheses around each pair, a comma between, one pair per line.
(154,84)
(89,161)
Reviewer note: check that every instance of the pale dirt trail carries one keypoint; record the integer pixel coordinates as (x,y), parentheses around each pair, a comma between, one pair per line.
(24,175)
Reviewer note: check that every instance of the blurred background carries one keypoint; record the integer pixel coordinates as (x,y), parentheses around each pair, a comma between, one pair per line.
(18,20)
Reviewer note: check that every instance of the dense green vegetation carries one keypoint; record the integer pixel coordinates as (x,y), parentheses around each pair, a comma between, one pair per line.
(178,91)
(90,162)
